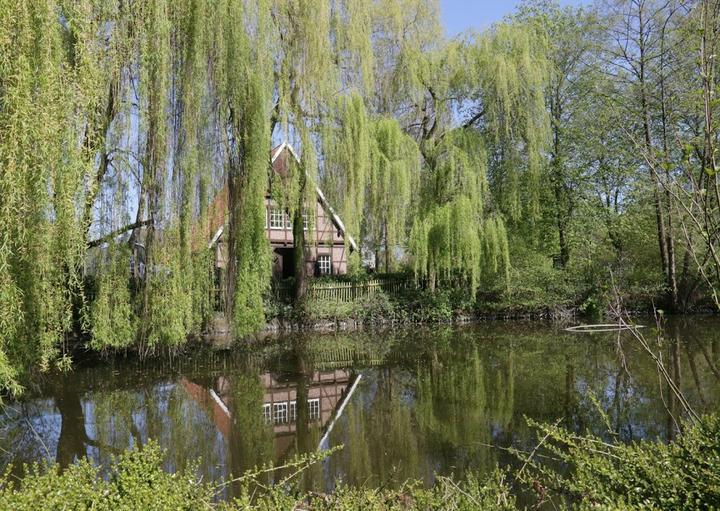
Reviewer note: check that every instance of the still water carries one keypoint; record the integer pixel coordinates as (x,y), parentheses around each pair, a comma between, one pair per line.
(407,403)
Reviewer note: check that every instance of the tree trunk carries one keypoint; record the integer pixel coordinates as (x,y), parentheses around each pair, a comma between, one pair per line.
(387,249)
(149,198)
(234,198)
(71,445)
(301,285)
(102,133)
(562,207)
(671,276)
(564,248)
(647,135)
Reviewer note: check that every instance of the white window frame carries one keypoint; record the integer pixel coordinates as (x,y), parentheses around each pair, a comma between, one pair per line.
(288,222)
(267,413)
(325,264)
(314,409)
(292,413)
(277,219)
(280,413)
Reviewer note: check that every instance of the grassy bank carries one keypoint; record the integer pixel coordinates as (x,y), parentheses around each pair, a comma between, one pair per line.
(547,295)
(565,471)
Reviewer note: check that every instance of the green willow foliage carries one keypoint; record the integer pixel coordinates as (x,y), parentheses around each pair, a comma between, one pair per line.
(476,177)
(44,169)
(112,317)
(395,157)
(244,81)
(325,65)
(454,237)
(511,67)
(121,121)
(113,110)
(347,169)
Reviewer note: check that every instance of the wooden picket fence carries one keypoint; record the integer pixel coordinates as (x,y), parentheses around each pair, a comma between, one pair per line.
(344,291)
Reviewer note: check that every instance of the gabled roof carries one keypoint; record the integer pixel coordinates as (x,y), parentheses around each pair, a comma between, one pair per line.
(218,208)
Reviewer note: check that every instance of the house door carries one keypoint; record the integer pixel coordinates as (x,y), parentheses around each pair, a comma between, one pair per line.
(284,266)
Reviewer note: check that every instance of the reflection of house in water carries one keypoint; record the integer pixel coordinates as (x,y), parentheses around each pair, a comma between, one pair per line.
(325,391)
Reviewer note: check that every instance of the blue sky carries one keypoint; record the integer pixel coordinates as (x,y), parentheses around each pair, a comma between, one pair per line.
(460,15)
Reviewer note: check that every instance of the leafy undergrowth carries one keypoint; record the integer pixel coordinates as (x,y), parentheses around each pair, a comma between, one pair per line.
(684,474)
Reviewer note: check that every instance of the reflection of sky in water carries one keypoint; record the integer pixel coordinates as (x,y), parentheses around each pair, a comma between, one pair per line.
(438,407)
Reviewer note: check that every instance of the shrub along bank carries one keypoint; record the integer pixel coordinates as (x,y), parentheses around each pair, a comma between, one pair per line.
(596,474)
(553,299)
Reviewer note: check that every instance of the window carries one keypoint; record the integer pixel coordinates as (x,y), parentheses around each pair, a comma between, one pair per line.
(277,218)
(288,222)
(325,264)
(293,411)
(280,413)
(314,408)
(266,414)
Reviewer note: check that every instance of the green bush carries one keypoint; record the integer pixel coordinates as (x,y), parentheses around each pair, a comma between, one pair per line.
(136,481)
(684,474)
(593,474)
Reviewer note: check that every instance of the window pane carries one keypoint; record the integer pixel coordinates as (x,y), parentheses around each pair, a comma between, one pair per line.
(280,413)
(306,218)
(277,218)
(325,264)
(266,414)
(314,409)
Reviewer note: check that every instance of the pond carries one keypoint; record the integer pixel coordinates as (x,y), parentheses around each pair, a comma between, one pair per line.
(405,403)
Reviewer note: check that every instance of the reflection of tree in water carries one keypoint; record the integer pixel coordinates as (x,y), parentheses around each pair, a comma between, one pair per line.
(306,436)
(463,404)
(74,439)
(631,389)
(72,443)
(26,430)
(379,436)
(436,412)
(250,443)
(431,402)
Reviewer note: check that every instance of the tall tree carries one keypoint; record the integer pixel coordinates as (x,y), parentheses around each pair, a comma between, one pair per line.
(323,49)
(494,81)
(572,36)
(395,161)
(639,31)
(244,87)
(51,72)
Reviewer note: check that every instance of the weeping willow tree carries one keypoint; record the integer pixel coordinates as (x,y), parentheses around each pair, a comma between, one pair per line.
(347,168)
(485,169)
(243,80)
(105,114)
(322,47)
(511,67)
(119,120)
(50,83)
(192,154)
(395,161)
(164,75)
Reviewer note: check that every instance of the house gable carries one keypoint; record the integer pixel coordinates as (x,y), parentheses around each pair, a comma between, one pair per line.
(217,211)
